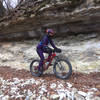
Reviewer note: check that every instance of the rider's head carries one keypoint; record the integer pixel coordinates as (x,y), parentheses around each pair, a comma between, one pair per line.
(50,32)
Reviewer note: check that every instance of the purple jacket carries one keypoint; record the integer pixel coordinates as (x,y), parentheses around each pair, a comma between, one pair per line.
(45,41)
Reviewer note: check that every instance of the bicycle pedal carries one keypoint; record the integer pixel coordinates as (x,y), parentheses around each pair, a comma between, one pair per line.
(50,64)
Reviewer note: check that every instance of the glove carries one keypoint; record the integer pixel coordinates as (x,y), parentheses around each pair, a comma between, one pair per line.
(58,50)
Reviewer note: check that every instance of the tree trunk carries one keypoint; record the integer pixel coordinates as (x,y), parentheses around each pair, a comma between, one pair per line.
(2,10)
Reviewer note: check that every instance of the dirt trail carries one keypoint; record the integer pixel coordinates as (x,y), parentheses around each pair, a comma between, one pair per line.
(78,80)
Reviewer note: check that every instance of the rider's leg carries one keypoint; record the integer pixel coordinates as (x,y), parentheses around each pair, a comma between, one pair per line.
(49,56)
(49,51)
(40,53)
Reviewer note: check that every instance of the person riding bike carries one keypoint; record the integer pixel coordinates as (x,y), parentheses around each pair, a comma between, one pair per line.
(42,46)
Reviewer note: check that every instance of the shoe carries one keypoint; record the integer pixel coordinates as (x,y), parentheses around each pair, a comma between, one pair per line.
(36,68)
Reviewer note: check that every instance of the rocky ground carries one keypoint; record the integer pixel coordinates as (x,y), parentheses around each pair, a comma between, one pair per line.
(17,83)
(21,85)
(83,51)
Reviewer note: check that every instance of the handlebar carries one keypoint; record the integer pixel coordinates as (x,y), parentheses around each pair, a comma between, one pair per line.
(54,50)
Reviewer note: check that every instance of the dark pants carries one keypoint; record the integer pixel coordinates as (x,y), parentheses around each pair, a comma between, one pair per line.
(40,51)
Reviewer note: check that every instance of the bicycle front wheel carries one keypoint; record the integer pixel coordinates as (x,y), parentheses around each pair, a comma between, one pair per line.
(34,68)
(62,68)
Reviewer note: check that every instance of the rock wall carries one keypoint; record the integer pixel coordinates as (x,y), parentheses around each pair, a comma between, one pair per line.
(63,17)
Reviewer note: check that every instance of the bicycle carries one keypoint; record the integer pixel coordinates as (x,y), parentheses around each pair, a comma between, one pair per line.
(60,70)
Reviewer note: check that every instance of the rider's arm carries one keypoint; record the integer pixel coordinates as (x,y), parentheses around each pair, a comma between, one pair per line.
(57,49)
(52,44)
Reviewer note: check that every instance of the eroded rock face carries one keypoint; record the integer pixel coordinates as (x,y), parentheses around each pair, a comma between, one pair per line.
(64,19)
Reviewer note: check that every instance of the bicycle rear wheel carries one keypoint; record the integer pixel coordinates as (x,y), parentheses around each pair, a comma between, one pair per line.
(62,68)
(34,68)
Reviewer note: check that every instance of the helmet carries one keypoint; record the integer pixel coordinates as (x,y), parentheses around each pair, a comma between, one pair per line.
(50,31)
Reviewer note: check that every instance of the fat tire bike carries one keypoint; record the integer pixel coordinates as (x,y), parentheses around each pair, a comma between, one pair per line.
(62,67)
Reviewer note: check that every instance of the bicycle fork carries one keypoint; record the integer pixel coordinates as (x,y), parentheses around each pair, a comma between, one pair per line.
(59,63)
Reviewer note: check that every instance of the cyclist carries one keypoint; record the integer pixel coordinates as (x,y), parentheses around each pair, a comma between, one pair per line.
(42,47)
